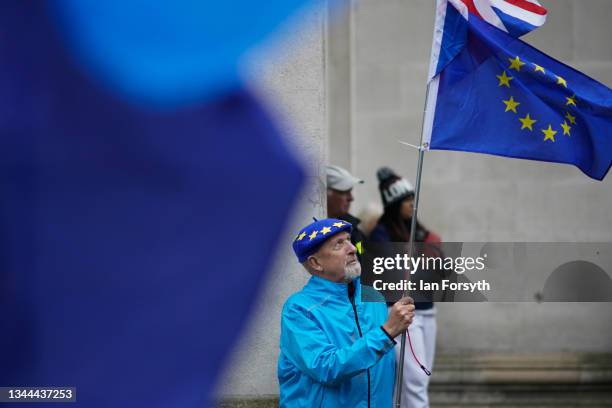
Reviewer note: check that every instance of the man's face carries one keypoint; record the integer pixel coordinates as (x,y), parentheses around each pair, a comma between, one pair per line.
(336,260)
(338,202)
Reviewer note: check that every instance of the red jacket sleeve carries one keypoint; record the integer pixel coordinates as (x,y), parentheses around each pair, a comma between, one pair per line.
(432,247)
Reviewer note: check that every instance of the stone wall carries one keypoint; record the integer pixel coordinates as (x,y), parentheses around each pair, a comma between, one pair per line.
(347,93)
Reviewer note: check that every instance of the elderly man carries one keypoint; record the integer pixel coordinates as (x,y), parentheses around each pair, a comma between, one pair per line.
(335,350)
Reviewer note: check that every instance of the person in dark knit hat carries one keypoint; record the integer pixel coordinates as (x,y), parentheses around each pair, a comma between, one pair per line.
(397,195)
(335,350)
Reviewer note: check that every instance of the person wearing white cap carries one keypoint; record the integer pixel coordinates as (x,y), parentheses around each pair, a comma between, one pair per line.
(340,185)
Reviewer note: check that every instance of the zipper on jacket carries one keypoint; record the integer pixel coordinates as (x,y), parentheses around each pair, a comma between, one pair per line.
(351,296)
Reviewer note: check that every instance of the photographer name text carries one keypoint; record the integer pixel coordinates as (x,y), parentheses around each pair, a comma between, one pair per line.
(445,284)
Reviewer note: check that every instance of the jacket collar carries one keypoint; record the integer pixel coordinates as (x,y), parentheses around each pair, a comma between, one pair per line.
(325,287)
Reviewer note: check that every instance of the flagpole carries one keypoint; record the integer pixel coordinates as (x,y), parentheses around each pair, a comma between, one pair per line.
(417,190)
(431,94)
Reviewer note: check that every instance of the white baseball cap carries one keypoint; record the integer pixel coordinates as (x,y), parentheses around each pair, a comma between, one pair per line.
(340,179)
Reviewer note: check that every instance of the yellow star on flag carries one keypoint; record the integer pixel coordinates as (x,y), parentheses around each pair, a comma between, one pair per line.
(561,81)
(516,63)
(537,68)
(301,236)
(325,230)
(549,134)
(338,224)
(571,118)
(527,122)
(511,105)
(504,79)
(571,100)
(313,235)
(566,128)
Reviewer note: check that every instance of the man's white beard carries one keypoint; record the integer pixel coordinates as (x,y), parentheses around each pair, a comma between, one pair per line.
(352,271)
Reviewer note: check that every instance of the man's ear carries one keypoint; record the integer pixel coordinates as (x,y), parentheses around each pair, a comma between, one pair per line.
(314,263)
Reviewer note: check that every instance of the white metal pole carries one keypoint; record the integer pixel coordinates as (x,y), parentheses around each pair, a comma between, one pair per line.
(417,190)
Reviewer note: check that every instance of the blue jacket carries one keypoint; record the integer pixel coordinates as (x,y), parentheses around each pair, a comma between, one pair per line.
(329,348)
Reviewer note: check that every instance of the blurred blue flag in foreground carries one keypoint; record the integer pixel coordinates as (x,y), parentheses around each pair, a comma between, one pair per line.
(133,239)
(496,94)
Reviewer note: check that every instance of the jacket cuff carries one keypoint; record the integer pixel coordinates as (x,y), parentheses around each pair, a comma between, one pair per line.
(388,335)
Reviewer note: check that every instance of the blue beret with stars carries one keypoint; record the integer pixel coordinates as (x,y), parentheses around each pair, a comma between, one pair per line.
(310,238)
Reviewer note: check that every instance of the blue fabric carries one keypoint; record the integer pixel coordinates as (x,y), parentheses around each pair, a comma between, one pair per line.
(574,122)
(312,236)
(133,242)
(168,52)
(379,234)
(515,26)
(323,361)
(454,36)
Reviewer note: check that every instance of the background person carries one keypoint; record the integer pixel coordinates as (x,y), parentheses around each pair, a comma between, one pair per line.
(397,196)
(340,185)
(334,349)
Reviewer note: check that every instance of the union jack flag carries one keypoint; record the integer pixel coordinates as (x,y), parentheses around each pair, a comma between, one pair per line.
(516,17)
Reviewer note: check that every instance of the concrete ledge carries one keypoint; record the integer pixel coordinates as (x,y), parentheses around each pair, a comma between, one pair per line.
(561,368)
(563,380)
(264,401)
(560,380)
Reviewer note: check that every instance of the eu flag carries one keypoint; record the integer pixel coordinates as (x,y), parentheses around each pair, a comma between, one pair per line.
(498,95)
